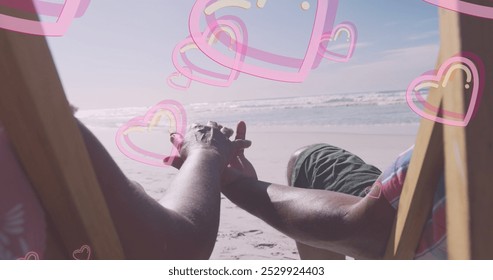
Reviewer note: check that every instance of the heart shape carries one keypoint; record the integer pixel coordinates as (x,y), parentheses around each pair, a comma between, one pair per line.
(58,28)
(43,8)
(323,22)
(30,256)
(328,38)
(444,73)
(172,80)
(374,191)
(212,34)
(464,7)
(83,253)
(149,120)
(435,109)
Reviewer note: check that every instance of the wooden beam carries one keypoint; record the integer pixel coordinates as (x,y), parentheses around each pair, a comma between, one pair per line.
(422,177)
(469,150)
(468,154)
(457,208)
(39,123)
(417,194)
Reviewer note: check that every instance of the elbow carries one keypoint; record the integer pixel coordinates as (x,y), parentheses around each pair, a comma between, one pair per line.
(201,244)
(191,242)
(190,247)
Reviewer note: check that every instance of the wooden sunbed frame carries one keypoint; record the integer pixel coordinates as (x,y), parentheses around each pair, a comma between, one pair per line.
(39,122)
(465,154)
(41,126)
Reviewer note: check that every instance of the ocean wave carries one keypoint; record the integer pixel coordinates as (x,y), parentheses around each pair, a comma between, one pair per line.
(351,108)
(329,100)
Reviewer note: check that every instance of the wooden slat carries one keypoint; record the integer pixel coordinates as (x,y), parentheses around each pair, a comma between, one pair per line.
(37,118)
(422,176)
(469,150)
(468,155)
(456,174)
(417,194)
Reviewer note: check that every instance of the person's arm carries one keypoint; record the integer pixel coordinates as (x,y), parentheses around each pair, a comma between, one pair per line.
(342,223)
(349,225)
(195,195)
(184,224)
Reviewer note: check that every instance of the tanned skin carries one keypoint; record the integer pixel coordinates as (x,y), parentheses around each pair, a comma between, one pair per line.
(184,223)
(341,223)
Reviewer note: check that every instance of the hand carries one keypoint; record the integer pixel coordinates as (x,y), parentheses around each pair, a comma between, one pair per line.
(239,166)
(211,138)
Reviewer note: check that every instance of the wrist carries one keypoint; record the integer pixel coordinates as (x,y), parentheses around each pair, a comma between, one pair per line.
(233,179)
(206,154)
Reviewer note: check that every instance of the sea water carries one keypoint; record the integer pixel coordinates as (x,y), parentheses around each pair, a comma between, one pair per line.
(367,108)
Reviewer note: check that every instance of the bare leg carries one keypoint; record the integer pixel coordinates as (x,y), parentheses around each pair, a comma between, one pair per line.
(308,252)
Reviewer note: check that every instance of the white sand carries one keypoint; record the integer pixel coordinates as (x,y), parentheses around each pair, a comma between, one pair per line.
(243,236)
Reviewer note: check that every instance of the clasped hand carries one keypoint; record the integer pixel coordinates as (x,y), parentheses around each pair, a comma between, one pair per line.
(214,139)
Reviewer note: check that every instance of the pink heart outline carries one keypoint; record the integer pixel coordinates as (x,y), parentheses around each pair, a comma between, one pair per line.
(370,189)
(436,78)
(435,109)
(239,31)
(44,8)
(141,155)
(79,254)
(464,7)
(324,19)
(30,256)
(353,36)
(224,80)
(56,29)
(272,58)
(171,82)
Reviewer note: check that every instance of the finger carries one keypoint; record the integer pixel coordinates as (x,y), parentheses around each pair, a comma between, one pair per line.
(176,139)
(228,132)
(241,144)
(196,125)
(213,124)
(176,162)
(240,135)
(241,130)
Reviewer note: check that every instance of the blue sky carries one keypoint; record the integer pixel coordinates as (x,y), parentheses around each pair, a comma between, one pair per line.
(119,53)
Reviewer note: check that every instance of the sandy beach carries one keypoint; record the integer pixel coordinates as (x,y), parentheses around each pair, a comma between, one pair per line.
(243,236)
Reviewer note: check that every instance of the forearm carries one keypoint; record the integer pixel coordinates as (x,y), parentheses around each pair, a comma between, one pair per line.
(338,222)
(195,195)
(311,216)
(148,230)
